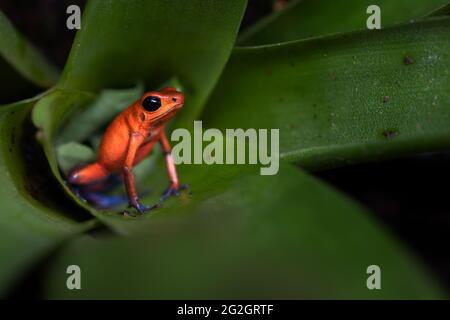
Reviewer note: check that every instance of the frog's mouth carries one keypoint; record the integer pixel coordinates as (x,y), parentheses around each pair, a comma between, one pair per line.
(168,114)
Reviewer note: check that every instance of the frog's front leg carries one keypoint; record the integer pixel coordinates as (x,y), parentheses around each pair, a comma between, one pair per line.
(174,186)
(136,140)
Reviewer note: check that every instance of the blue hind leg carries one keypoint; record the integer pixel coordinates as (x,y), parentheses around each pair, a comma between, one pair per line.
(104,201)
(95,193)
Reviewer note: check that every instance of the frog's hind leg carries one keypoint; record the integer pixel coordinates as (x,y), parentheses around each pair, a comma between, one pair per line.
(103,201)
(91,181)
(105,185)
(89,174)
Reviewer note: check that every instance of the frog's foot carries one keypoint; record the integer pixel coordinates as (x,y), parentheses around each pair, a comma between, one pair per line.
(142,208)
(173,191)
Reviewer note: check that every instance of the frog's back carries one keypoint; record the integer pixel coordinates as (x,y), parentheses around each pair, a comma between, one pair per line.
(113,148)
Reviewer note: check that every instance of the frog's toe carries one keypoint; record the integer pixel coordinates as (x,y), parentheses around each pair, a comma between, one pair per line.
(171,191)
(143,208)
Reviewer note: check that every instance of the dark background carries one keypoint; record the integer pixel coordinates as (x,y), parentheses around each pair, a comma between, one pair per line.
(409,195)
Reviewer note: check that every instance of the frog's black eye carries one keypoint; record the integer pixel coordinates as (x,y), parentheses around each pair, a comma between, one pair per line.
(151,103)
(174,99)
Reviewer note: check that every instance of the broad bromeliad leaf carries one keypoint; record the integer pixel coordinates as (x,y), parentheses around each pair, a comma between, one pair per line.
(312,18)
(33,220)
(289,228)
(120,43)
(345,98)
(247,236)
(22,68)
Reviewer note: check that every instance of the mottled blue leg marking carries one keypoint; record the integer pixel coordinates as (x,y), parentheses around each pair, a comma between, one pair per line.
(104,201)
(95,194)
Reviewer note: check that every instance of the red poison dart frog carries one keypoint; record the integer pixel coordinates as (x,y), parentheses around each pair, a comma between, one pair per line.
(127,141)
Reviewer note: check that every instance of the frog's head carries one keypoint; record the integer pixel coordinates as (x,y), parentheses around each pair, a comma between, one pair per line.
(160,106)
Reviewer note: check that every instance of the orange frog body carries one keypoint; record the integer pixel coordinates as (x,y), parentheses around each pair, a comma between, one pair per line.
(129,139)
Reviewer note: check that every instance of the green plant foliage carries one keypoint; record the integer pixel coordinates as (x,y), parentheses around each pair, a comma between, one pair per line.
(22,67)
(336,100)
(72,154)
(247,236)
(312,18)
(345,98)
(232,200)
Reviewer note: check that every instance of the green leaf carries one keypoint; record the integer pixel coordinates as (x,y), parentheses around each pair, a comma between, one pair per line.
(247,236)
(120,43)
(22,67)
(72,154)
(345,98)
(312,18)
(287,235)
(31,223)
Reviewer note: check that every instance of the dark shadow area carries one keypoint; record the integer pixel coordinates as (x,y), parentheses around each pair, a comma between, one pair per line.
(17,87)
(411,196)
(256,9)
(43,22)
